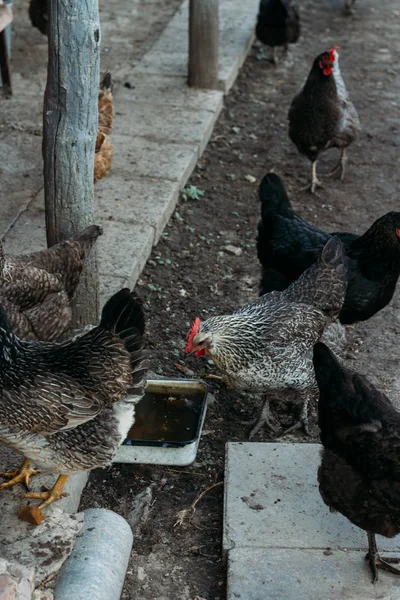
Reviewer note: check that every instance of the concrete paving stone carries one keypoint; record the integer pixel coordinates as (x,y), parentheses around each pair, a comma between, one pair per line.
(158,90)
(167,124)
(290,574)
(97,566)
(139,157)
(124,250)
(272,501)
(138,200)
(161,63)
(18,153)
(28,234)
(16,581)
(109,285)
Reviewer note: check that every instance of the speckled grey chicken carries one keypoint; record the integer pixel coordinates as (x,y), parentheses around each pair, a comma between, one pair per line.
(67,407)
(267,344)
(36,289)
(359,474)
(321,116)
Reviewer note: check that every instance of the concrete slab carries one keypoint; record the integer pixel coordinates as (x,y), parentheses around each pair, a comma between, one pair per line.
(139,157)
(137,200)
(156,90)
(287,574)
(167,123)
(272,501)
(125,249)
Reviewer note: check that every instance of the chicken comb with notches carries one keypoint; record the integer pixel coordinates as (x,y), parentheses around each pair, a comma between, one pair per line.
(332,53)
(193,330)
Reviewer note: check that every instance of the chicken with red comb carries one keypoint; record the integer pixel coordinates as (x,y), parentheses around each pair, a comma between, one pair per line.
(321,116)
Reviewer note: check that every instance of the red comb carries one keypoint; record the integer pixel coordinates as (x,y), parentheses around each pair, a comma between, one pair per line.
(193,330)
(332,53)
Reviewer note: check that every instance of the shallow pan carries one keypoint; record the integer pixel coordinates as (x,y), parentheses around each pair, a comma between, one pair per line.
(168,423)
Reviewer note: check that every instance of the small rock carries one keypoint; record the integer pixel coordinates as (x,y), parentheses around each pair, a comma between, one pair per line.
(233,250)
(250,178)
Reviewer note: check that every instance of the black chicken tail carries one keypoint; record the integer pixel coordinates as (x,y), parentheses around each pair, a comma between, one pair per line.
(107,83)
(273,198)
(123,311)
(123,314)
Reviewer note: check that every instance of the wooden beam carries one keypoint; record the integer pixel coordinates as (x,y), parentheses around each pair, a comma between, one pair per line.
(203,43)
(70,128)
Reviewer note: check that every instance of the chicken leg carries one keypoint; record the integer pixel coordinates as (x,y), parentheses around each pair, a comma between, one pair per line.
(50,496)
(315,182)
(376,562)
(264,419)
(21,475)
(341,165)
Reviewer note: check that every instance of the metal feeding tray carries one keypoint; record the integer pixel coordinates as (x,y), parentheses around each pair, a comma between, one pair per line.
(168,423)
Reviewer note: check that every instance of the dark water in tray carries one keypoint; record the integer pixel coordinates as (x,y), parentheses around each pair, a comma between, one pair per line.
(164,417)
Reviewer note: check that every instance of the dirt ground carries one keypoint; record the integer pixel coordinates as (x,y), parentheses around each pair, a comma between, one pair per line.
(191,274)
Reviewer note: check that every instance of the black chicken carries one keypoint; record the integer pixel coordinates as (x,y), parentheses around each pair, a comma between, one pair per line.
(38,15)
(278,24)
(359,474)
(287,245)
(321,116)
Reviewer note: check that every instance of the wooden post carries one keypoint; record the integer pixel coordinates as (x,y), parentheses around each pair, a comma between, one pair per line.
(203,43)
(70,128)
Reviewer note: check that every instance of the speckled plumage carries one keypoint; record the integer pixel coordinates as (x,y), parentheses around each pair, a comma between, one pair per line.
(36,289)
(359,474)
(67,407)
(267,343)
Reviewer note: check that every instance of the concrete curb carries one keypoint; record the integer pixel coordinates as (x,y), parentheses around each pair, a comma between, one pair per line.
(97,565)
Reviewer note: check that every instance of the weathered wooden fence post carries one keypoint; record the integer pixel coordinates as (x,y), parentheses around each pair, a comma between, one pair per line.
(70,128)
(203,43)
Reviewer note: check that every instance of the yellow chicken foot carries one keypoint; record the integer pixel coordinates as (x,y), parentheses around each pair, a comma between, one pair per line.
(274,59)
(263,420)
(315,182)
(341,165)
(22,475)
(54,494)
(376,562)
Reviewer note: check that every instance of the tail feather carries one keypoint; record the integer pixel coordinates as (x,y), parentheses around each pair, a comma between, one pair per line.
(122,312)
(107,82)
(324,284)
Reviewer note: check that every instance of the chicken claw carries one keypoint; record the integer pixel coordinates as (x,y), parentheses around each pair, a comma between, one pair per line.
(22,475)
(340,167)
(263,420)
(51,495)
(315,182)
(376,562)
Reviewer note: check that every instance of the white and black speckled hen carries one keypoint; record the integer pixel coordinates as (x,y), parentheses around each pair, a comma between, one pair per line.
(67,407)
(278,24)
(359,474)
(36,289)
(267,344)
(287,245)
(321,116)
